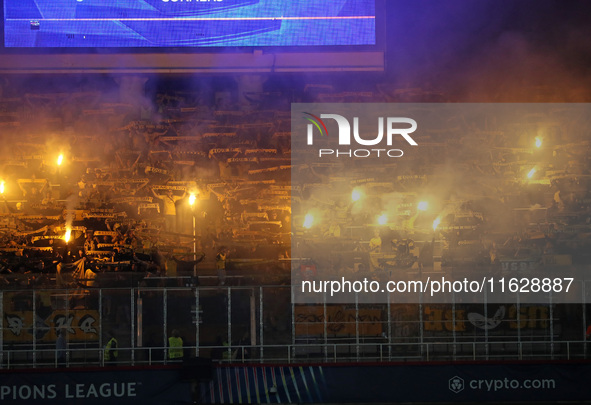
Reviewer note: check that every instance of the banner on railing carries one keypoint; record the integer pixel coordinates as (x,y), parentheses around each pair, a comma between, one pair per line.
(80,325)
(340,320)
(441,319)
(498,319)
(388,383)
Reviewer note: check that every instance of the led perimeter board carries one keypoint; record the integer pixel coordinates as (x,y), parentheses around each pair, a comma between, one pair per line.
(192,27)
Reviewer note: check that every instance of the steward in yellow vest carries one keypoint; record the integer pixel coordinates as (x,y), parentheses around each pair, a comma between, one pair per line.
(175,346)
(111,351)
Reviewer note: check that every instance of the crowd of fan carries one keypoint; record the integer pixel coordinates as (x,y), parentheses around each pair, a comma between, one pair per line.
(121,178)
(90,188)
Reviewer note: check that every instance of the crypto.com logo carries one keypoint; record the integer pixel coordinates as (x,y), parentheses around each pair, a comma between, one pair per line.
(391,128)
(456,384)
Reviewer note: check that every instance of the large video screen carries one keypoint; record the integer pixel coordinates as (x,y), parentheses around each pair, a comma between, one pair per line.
(187,23)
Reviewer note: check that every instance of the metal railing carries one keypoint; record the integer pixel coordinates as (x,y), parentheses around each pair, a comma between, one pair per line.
(263,325)
(308,353)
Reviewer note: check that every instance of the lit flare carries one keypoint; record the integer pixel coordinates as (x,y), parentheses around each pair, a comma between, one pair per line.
(531,173)
(436,223)
(308,221)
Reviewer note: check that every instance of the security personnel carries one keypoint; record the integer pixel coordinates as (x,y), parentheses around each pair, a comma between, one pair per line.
(227,354)
(111,351)
(175,346)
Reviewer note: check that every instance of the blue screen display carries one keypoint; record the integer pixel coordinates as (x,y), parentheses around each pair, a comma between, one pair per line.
(187,23)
